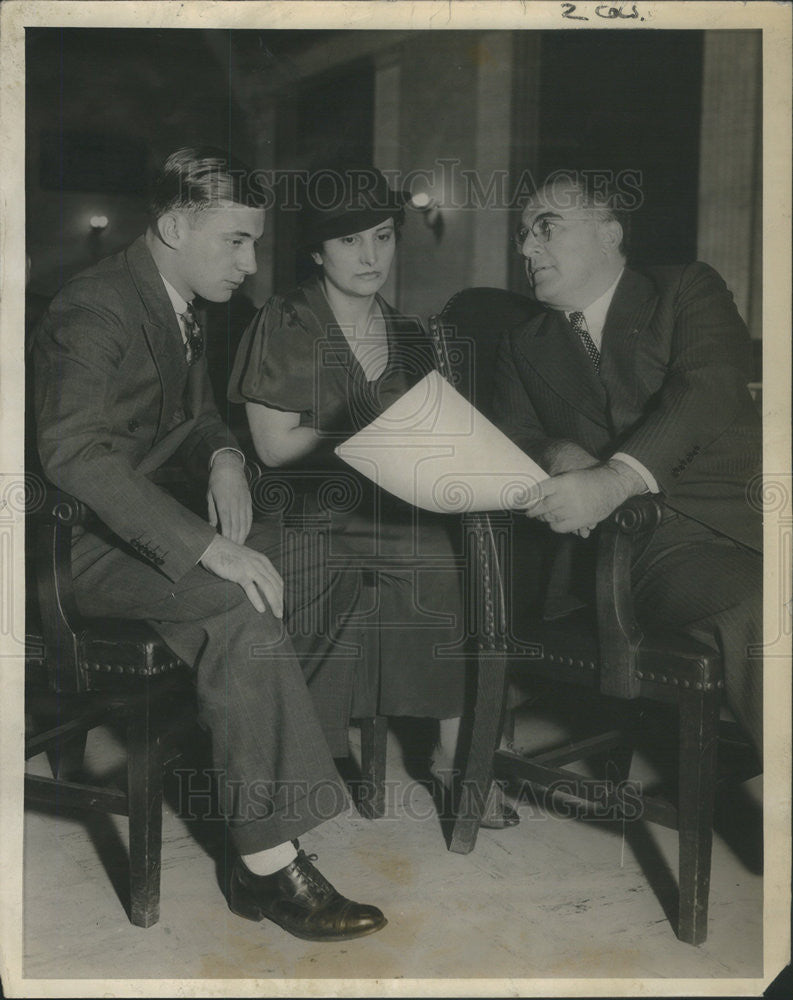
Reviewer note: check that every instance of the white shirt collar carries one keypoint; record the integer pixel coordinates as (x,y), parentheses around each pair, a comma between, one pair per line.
(179,304)
(595,314)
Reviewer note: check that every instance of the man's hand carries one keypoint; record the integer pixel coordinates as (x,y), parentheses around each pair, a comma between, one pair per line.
(578,500)
(250,569)
(567,456)
(228,497)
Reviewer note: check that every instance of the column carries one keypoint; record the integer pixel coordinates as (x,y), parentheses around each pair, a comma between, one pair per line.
(488,192)
(730,178)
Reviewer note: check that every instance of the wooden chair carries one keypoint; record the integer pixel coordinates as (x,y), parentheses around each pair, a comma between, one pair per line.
(81,674)
(605,652)
(91,674)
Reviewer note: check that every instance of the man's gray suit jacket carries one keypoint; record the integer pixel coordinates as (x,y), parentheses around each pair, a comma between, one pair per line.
(672,392)
(115,399)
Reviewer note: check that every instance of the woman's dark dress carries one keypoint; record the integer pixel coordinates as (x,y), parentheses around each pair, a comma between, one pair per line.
(409,632)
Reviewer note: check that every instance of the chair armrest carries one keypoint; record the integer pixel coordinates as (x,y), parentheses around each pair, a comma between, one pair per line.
(640,513)
(619,634)
(59,507)
(65,509)
(62,627)
(52,523)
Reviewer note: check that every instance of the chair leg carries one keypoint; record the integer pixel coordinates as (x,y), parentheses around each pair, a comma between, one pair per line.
(509,726)
(698,748)
(614,766)
(485,736)
(66,762)
(144,777)
(374,734)
(66,754)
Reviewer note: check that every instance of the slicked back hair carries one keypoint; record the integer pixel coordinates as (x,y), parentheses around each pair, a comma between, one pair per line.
(194,179)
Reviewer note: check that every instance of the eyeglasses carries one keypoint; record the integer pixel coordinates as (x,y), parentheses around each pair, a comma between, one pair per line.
(542,229)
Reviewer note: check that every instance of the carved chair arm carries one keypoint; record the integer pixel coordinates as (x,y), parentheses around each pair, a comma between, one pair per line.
(619,634)
(60,507)
(52,522)
(640,513)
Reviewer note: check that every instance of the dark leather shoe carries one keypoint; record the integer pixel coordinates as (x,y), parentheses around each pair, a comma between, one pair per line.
(301,900)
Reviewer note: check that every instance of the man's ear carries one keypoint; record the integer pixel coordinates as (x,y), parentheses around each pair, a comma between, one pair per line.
(171,228)
(316,256)
(610,236)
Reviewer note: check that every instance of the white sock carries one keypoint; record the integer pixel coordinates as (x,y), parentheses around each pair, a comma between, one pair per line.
(272,860)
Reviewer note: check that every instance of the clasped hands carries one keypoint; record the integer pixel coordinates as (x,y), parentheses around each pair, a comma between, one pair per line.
(581,492)
(227,556)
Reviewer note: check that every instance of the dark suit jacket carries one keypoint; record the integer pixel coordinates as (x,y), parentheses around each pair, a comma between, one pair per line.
(115,399)
(672,392)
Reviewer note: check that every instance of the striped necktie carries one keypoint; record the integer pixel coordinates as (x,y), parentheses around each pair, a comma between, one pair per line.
(578,323)
(194,340)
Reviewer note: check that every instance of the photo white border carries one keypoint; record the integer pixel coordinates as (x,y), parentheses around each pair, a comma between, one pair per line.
(775,21)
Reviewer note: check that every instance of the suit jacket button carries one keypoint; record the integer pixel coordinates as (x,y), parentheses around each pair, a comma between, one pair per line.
(133,425)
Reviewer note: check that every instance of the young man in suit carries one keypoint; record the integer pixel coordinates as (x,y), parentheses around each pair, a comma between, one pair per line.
(121,387)
(636,382)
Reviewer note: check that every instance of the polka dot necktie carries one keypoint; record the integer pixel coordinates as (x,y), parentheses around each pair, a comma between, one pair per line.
(194,342)
(578,323)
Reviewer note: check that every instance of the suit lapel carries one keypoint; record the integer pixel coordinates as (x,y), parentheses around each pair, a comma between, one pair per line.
(161,329)
(631,310)
(559,357)
(195,390)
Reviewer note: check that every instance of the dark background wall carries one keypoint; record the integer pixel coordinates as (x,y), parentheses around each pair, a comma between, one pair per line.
(630,101)
(105,105)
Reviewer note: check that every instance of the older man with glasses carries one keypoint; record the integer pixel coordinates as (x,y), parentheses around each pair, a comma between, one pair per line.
(634,382)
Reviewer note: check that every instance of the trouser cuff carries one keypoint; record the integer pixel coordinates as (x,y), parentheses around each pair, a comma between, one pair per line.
(302,805)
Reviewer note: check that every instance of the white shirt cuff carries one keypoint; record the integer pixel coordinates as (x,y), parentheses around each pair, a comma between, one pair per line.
(217,451)
(637,466)
(198,561)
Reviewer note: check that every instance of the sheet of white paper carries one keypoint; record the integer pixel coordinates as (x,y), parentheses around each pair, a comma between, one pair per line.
(433,449)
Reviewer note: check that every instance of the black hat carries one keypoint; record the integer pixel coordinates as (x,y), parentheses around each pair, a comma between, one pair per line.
(339,201)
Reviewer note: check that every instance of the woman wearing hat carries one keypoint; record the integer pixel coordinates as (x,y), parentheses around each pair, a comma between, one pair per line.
(314,366)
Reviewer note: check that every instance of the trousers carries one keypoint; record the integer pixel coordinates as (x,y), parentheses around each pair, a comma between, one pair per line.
(710,587)
(277,777)
(684,576)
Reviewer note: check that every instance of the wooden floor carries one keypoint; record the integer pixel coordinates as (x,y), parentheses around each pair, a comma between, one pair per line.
(554,898)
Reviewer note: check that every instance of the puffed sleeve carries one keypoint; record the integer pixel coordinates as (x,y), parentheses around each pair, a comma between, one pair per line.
(275,360)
